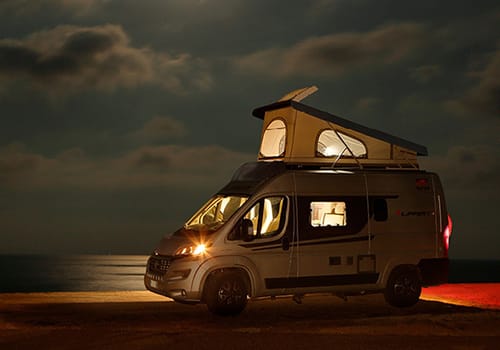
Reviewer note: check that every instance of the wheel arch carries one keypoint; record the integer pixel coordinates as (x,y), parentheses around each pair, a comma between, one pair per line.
(238,264)
(241,271)
(393,266)
(403,267)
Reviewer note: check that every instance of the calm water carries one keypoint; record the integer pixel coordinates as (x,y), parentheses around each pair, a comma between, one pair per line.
(474,271)
(41,273)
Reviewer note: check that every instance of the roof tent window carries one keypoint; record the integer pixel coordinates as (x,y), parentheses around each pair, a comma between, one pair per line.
(273,141)
(330,145)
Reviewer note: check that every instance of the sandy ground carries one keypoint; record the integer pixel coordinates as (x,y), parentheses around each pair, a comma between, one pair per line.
(139,320)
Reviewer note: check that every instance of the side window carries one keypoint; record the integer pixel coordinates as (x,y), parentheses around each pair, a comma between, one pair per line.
(323,217)
(268,216)
(333,144)
(274,139)
(328,214)
(379,209)
(254,215)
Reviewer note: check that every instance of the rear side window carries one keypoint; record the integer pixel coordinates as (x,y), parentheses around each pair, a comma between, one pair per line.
(321,217)
(326,213)
(378,209)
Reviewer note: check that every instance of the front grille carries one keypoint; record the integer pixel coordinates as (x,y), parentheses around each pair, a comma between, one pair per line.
(159,264)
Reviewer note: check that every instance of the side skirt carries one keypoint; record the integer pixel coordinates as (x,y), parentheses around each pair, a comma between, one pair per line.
(321,281)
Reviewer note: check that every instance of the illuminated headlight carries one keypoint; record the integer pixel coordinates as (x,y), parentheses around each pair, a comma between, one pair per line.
(194,250)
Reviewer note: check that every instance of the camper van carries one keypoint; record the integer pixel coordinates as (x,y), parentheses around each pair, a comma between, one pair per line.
(355,215)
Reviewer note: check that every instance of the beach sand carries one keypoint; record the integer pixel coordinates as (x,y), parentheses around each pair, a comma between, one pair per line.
(139,320)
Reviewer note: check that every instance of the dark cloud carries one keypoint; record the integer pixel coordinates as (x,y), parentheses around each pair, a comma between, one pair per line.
(145,167)
(150,160)
(15,162)
(160,128)
(69,58)
(338,53)
(485,95)
(367,103)
(88,43)
(72,155)
(183,164)
(424,74)
(468,171)
(20,8)
(15,58)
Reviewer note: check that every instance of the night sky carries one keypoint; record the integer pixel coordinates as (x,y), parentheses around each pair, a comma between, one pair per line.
(120,118)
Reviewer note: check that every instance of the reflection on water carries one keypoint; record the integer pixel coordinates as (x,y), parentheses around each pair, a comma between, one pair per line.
(46,273)
(42,273)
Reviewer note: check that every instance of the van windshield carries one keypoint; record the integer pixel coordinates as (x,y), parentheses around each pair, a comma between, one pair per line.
(215,213)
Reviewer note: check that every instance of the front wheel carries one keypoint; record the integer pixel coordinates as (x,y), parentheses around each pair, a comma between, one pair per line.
(403,287)
(226,293)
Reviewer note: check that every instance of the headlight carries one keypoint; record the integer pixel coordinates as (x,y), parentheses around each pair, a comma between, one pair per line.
(194,250)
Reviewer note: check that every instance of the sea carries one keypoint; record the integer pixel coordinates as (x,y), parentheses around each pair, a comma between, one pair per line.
(71,273)
(57,273)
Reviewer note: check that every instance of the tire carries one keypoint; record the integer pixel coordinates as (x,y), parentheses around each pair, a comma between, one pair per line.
(226,293)
(403,287)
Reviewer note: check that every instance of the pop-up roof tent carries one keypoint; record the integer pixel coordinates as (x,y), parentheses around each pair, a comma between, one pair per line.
(299,134)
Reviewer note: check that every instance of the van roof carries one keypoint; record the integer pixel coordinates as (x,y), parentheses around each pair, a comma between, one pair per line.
(250,176)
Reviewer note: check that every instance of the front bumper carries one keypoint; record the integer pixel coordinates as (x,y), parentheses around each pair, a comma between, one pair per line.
(172,277)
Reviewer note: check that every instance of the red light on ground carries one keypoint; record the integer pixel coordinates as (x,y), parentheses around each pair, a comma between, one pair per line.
(483,295)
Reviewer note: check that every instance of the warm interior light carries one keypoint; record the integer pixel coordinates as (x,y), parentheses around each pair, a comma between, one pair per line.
(331,151)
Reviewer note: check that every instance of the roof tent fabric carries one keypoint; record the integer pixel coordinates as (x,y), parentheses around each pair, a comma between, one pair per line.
(300,134)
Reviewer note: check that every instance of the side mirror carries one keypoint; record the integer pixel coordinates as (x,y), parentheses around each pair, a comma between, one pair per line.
(247,230)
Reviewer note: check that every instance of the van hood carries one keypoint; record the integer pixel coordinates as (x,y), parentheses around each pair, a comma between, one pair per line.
(170,244)
(183,237)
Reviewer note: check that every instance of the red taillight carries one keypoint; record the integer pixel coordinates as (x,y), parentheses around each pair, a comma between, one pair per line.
(447,235)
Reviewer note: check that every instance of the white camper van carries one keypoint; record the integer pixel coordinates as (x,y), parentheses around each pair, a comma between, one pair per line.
(346,219)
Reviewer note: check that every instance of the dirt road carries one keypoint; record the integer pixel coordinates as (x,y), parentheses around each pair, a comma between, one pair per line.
(139,320)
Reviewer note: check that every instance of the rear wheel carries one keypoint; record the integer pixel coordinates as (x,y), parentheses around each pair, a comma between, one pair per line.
(403,287)
(226,293)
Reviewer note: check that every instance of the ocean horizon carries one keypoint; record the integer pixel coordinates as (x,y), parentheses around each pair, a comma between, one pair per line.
(75,273)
